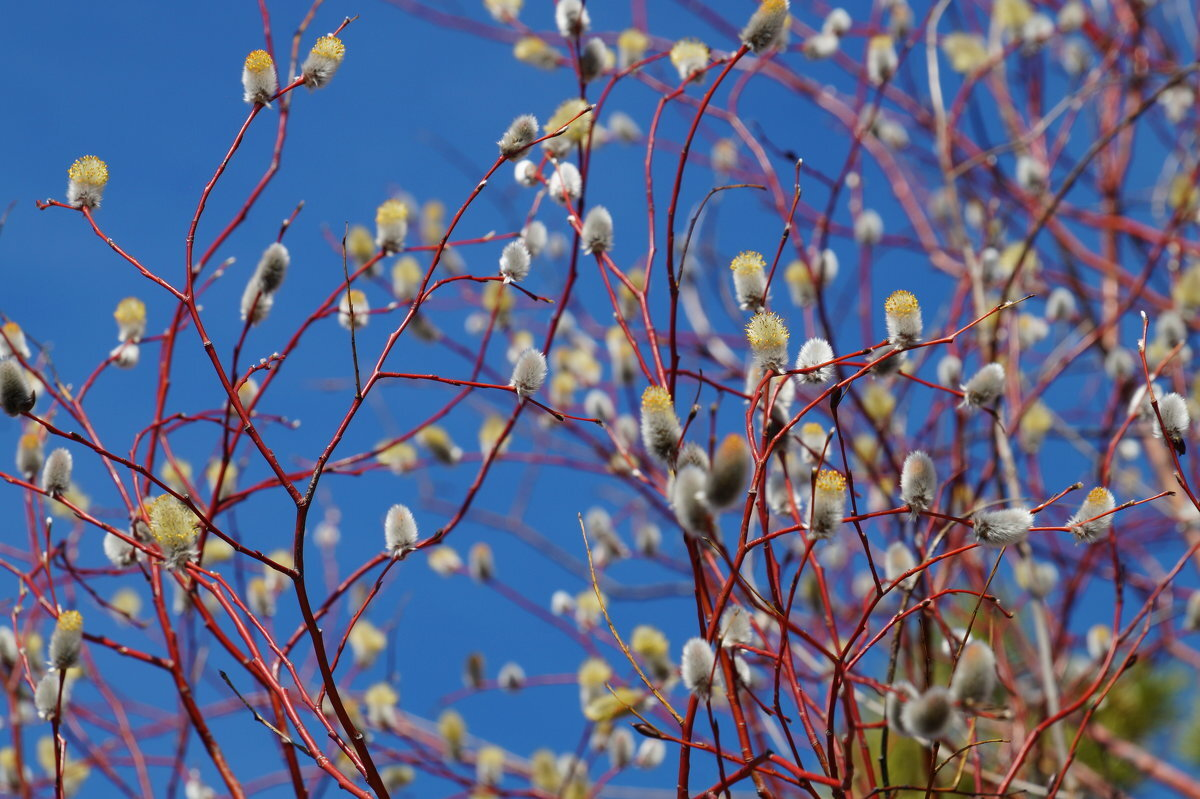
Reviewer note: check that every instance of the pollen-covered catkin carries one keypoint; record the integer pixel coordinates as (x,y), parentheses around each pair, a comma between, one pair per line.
(67,640)
(1084,524)
(175,528)
(1176,421)
(661,430)
(30,455)
(400,530)
(881,58)
(690,57)
(918,482)
(15,395)
(766,26)
(56,474)
(1000,528)
(597,232)
(930,716)
(985,387)
(696,667)
(519,137)
(391,225)
(816,351)
(749,279)
(974,678)
(768,337)
(272,268)
(86,179)
(828,506)
(259,81)
(529,372)
(323,61)
(353,310)
(131,319)
(729,471)
(902,313)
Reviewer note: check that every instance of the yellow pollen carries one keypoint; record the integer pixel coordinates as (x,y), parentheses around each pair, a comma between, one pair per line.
(70,620)
(391,211)
(748,262)
(130,311)
(259,61)
(774,6)
(766,329)
(1099,495)
(565,112)
(656,399)
(30,441)
(356,298)
(90,170)
(634,42)
(829,480)
(329,47)
(812,429)
(901,303)
(687,50)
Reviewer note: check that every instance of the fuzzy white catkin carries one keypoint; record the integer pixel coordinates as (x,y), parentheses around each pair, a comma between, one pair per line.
(1060,305)
(837,22)
(1038,577)
(620,748)
(930,716)
(728,474)
(696,667)
(828,504)
(119,552)
(534,237)
(86,179)
(918,481)
(1191,614)
(688,499)
(256,305)
(902,314)
(15,395)
(353,310)
(898,560)
(525,173)
(514,261)
(974,679)
(45,696)
(511,677)
(868,227)
(127,355)
(647,538)
(594,58)
(881,59)
(67,640)
(529,372)
(571,18)
(660,426)
(735,626)
(597,233)
(985,387)
(400,530)
(598,405)
(56,474)
(1000,528)
(562,603)
(391,227)
(272,268)
(1176,421)
(323,61)
(259,81)
(949,370)
(766,25)
(821,45)
(650,754)
(480,562)
(1084,524)
(566,179)
(519,137)
(30,455)
(814,352)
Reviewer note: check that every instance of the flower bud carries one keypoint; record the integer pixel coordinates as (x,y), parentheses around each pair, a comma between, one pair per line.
(650,754)
(489,765)
(622,128)
(519,137)
(29,455)
(1038,577)
(974,679)
(837,22)
(439,444)
(256,305)
(816,351)
(120,553)
(985,387)
(689,501)
(175,528)
(391,225)
(15,394)
(86,180)
(594,59)
(453,729)
(480,562)
(1000,528)
(661,430)
(930,716)
(56,474)
(868,227)
(597,232)
(766,26)
(690,57)
(620,748)
(828,505)
(353,310)
(898,560)
(511,677)
(903,317)
(749,280)
(323,61)
(949,370)
(534,237)
(131,319)
(1191,615)
(12,341)
(400,530)
(881,59)
(367,642)
(729,471)
(571,18)
(735,626)
(514,261)
(565,184)
(66,640)
(444,561)
(259,81)
(1176,422)
(272,268)
(918,482)
(1084,524)
(697,667)
(529,372)
(503,10)
(647,538)
(768,336)
(46,696)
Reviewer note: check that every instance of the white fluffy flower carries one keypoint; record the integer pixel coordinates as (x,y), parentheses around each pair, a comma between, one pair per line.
(918,481)
(566,179)
(697,667)
(529,372)
(514,261)
(400,530)
(1002,527)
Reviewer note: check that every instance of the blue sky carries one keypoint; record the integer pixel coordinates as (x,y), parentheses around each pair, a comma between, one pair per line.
(153,89)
